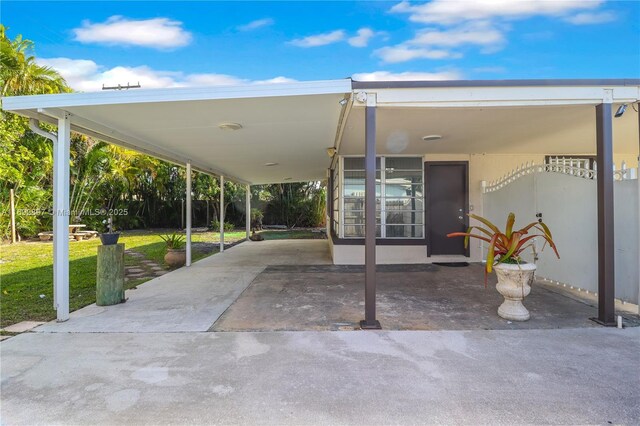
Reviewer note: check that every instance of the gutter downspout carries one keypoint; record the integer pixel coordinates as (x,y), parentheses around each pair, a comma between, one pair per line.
(34,126)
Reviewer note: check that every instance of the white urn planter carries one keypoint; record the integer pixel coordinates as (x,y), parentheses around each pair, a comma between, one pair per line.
(514,284)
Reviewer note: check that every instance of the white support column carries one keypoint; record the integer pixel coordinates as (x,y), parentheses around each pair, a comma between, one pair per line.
(188,229)
(248,210)
(61,157)
(221,213)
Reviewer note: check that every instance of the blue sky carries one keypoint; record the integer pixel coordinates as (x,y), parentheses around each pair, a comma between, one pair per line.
(168,44)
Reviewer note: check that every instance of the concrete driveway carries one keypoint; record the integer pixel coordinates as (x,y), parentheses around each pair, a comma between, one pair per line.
(150,361)
(569,376)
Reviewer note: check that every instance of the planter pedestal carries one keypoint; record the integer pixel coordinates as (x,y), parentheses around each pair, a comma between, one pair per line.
(110,275)
(514,284)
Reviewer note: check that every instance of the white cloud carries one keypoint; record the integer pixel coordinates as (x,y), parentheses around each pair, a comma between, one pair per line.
(363,37)
(279,79)
(254,25)
(480,23)
(588,18)
(478,33)
(158,33)
(447,12)
(87,76)
(403,53)
(319,39)
(205,80)
(407,76)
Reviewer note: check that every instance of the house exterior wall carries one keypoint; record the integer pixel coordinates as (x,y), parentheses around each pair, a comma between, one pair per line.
(482,167)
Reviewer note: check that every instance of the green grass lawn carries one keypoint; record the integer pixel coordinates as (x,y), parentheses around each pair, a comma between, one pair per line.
(26,269)
(26,272)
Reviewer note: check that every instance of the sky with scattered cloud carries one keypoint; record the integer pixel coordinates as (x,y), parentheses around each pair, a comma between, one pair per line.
(169,44)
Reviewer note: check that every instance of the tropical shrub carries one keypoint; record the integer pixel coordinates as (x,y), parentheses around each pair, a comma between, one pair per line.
(228,227)
(507,246)
(173,241)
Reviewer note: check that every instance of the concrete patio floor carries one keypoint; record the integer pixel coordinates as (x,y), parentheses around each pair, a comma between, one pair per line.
(193,298)
(292,285)
(409,297)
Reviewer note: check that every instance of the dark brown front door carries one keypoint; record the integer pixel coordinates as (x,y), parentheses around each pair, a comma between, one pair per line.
(447,203)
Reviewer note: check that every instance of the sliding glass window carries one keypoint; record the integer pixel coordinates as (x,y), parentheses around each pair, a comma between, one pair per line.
(399,199)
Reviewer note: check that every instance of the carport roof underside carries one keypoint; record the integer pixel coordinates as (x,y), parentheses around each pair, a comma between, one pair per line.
(293,124)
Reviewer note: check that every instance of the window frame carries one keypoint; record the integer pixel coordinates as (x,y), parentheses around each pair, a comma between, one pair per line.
(383,197)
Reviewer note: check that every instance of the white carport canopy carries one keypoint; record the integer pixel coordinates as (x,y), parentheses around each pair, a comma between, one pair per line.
(293,124)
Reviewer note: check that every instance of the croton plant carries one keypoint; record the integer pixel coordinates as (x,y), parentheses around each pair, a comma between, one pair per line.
(507,246)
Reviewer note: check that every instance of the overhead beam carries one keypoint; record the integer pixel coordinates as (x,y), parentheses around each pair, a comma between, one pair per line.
(499,96)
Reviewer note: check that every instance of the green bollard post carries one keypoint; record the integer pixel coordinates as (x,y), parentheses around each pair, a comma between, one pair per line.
(110,275)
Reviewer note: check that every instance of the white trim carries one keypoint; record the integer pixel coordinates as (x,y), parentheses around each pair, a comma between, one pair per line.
(18,103)
(500,96)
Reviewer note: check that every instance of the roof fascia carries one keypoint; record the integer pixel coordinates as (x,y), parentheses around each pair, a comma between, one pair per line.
(358,85)
(501,96)
(62,100)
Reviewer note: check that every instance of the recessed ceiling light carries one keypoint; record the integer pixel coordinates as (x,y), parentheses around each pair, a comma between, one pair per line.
(230,126)
(270,164)
(431,137)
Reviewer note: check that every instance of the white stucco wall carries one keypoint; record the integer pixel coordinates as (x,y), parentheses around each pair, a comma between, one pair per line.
(569,207)
(354,254)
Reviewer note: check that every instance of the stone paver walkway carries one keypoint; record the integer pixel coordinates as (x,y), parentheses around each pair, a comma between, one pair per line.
(145,268)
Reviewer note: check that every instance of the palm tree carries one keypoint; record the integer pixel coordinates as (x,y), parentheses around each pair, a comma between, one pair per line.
(19,72)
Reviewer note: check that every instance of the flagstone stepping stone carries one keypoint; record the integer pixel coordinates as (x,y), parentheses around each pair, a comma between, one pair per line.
(23,326)
(144,268)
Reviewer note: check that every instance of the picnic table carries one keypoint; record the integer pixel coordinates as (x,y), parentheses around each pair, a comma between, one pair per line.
(75,232)
(75,228)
